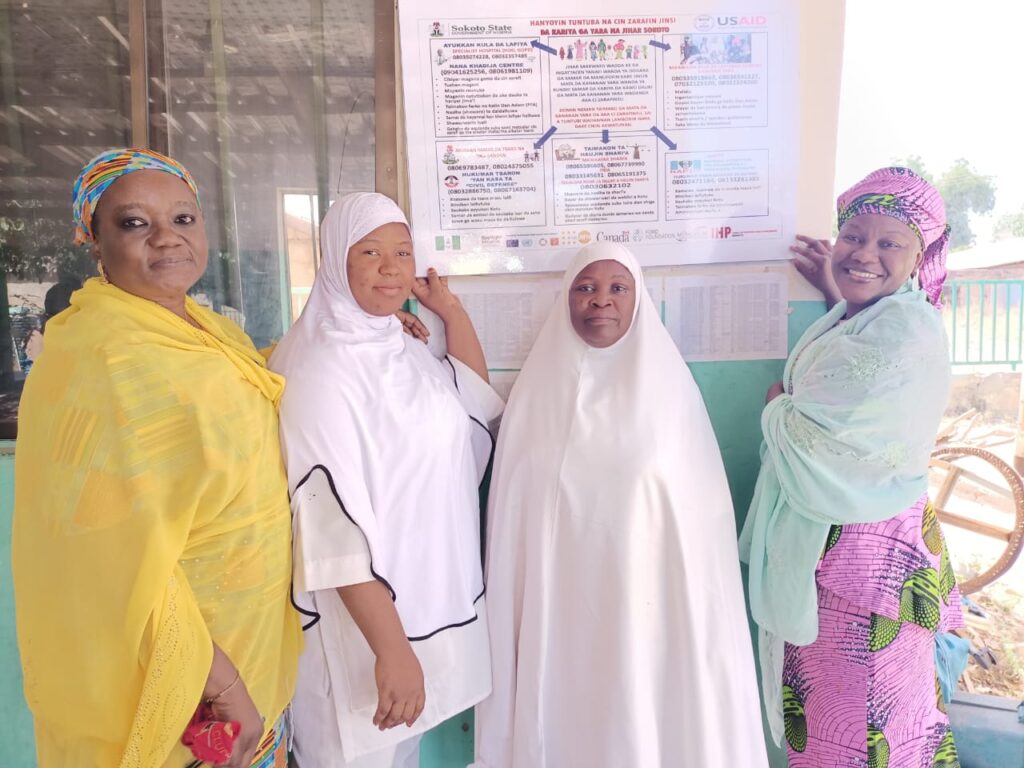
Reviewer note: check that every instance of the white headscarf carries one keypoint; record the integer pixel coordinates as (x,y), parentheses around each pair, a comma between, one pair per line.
(617,407)
(331,304)
(618,629)
(370,407)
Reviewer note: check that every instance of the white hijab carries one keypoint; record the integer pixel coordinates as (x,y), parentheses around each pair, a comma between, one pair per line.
(331,305)
(618,408)
(612,567)
(372,408)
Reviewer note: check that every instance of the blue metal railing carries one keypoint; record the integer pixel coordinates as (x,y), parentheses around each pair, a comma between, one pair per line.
(985,321)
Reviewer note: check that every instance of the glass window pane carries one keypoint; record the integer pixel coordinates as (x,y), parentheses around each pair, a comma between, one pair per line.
(64,77)
(300,216)
(270,105)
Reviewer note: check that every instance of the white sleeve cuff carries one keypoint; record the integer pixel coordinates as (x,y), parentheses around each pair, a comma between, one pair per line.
(471,385)
(329,549)
(333,572)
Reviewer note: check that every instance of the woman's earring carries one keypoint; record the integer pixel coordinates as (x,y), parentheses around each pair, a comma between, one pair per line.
(99,268)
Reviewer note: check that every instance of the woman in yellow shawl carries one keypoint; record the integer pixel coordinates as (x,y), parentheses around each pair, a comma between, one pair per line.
(151,546)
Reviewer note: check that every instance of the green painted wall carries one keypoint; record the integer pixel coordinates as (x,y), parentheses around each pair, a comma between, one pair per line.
(734,393)
(16,740)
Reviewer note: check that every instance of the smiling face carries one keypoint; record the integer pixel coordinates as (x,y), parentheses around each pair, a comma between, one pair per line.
(873,256)
(150,236)
(381,269)
(601,302)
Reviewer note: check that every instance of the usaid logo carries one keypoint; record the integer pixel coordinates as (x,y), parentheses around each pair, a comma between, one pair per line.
(741,21)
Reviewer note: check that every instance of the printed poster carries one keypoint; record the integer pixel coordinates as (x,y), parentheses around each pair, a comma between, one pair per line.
(671,128)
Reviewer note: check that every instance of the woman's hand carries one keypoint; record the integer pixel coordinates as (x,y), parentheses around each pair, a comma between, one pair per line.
(229,700)
(774,391)
(400,691)
(460,336)
(413,326)
(236,704)
(432,292)
(817,269)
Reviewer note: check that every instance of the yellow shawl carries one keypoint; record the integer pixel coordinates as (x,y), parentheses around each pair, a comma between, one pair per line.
(151,518)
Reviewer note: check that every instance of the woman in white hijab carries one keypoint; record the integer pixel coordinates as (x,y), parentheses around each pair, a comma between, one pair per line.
(385,447)
(618,631)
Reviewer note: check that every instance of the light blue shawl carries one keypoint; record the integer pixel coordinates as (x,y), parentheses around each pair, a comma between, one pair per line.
(848,442)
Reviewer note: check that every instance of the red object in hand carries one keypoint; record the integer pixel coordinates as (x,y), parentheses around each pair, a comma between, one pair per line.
(211,741)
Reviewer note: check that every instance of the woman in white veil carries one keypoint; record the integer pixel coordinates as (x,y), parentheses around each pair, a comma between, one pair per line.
(385,447)
(616,612)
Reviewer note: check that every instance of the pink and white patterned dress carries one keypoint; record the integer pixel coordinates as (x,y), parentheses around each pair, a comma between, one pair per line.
(866,692)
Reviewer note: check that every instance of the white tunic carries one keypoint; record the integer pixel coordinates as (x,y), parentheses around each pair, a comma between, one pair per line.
(336,687)
(385,447)
(619,637)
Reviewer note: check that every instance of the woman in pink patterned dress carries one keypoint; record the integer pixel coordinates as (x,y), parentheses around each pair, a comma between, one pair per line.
(849,576)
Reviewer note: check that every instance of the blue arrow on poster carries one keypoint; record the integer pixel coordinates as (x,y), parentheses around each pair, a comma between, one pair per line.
(663,46)
(547,135)
(541,47)
(671,144)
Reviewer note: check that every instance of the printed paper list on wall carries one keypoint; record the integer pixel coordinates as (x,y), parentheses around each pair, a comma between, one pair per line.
(728,317)
(673,131)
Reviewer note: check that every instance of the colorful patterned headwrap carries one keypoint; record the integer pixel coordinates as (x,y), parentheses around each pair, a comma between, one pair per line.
(902,194)
(106,168)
